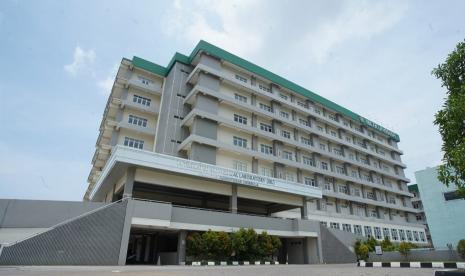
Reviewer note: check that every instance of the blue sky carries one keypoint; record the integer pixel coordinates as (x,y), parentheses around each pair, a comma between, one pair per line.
(59,58)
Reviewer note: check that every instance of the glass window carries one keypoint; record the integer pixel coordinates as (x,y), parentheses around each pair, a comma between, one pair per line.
(304,122)
(240,119)
(241,78)
(306,141)
(415,236)
(266,149)
(324,165)
(264,88)
(141,100)
(342,189)
(356,191)
(133,143)
(394,234)
(409,235)
(138,121)
(240,98)
(378,233)
(308,161)
(368,232)
(145,80)
(322,146)
(286,134)
(386,233)
(265,107)
(402,234)
(340,170)
(240,142)
(240,166)
(284,97)
(267,172)
(422,236)
(284,114)
(266,127)
(334,225)
(310,181)
(287,155)
(346,227)
(358,230)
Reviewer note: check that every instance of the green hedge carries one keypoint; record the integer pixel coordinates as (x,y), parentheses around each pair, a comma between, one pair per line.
(362,248)
(242,245)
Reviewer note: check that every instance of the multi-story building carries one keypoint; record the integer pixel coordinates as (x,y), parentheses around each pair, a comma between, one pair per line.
(443,209)
(213,141)
(420,216)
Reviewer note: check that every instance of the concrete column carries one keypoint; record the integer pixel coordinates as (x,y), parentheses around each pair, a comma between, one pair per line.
(129,182)
(306,249)
(123,250)
(253,100)
(338,207)
(254,120)
(351,207)
(182,247)
(255,142)
(254,165)
(233,199)
(299,176)
(304,209)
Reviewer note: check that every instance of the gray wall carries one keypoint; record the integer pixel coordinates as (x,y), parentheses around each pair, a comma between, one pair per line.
(334,250)
(417,256)
(203,153)
(169,129)
(93,239)
(16,213)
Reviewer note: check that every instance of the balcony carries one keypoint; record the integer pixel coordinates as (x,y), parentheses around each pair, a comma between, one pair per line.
(272,136)
(152,109)
(274,116)
(136,128)
(272,158)
(255,90)
(134,83)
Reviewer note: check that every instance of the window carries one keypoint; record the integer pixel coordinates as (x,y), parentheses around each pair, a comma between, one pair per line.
(381,152)
(306,141)
(322,146)
(366,177)
(392,200)
(364,161)
(266,149)
(337,152)
(324,223)
(240,119)
(320,128)
(241,78)
(133,143)
(386,168)
(141,100)
(402,235)
(267,172)
(342,189)
(370,195)
(266,127)
(368,233)
(409,235)
(340,170)
(264,88)
(357,229)
(304,122)
(346,227)
(265,107)
(333,133)
(138,121)
(332,117)
(324,165)
(351,156)
(394,234)
(287,155)
(308,161)
(386,233)
(145,81)
(334,225)
(318,111)
(354,174)
(290,177)
(240,166)
(415,236)
(240,98)
(348,139)
(373,214)
(378,233)
(419,217)
(284,97)
(240,142)
(356,192)
(328,183)
(310,181)
(346,123)
(302,104)
(422,236)
(284,114)
(286,134)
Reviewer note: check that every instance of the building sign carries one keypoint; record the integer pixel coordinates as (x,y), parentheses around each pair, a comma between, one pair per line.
(379,128)
(169,163)
(378,250)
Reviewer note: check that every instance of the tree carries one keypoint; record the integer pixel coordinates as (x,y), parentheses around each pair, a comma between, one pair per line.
(451,119)
(387,245)
(461,248)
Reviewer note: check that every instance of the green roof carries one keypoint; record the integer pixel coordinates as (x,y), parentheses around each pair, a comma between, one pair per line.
(259,71)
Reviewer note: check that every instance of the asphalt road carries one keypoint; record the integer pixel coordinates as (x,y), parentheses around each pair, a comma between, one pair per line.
(292,270)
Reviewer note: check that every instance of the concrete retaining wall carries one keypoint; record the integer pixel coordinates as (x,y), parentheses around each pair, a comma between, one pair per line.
(417,256)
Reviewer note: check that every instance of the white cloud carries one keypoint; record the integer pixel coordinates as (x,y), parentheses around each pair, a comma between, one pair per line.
(106,84)
(82,61)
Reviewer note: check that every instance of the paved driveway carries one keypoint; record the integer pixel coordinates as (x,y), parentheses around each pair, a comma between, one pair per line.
(291,270)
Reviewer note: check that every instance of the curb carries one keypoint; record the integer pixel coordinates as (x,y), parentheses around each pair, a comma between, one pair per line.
(413,264)
(233,263)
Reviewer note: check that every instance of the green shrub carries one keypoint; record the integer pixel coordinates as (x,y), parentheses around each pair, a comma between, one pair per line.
(363,252)
(461,248)
(387,245)
(371,243)
(404,248)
